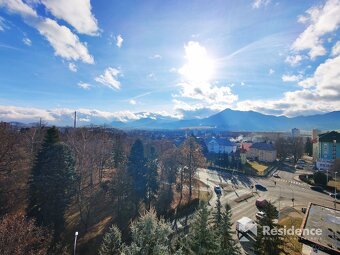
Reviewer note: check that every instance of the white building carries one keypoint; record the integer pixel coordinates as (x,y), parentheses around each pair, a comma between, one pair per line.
(220,145)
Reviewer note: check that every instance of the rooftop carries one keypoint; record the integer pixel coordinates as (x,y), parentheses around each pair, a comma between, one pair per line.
(330,137)
(222,141)
(263,146)
(328,220)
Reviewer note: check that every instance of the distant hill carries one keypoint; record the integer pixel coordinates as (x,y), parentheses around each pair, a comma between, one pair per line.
(239,121)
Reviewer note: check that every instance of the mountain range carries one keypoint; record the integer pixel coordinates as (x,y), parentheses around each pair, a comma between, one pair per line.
(234,120)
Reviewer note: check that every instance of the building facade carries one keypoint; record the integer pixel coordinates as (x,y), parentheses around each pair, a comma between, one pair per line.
(328,150)
(220,145)
(264,152)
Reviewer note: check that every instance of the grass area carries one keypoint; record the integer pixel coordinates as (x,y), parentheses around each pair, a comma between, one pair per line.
(289,219)
(333,184)
(260,168)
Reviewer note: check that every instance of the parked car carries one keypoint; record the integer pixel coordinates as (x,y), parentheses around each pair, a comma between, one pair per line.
(218,190)
(260,215)
(260,187)
(303,209)
(298,166)
(317,188)
(276,175)
(335,195)
(261,203)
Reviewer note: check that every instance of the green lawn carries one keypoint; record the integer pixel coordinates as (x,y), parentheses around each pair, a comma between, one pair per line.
(257,166)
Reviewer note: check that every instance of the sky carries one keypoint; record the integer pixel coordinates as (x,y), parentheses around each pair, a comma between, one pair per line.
(125,60)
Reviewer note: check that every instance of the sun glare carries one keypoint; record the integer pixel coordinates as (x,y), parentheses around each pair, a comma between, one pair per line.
(199,67)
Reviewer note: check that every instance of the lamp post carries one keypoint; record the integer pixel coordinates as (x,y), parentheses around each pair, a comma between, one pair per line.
(75,242)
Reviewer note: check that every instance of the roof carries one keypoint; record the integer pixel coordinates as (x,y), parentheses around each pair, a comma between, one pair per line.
(263,146)
(329,137)
(223,142)
(245,224)
(328,220)
(246,146)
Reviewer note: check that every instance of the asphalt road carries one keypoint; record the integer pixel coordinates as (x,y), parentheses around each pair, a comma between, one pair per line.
(280,191)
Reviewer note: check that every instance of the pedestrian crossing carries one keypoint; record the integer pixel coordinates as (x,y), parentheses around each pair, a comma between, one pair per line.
(293,182)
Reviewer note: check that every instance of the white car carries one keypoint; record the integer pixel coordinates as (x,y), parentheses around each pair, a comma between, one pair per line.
(260,215)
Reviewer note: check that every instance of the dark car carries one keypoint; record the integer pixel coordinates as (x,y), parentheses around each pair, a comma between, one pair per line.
(335,195)
(317,188)
(260,187)
(261,203)
(218,190)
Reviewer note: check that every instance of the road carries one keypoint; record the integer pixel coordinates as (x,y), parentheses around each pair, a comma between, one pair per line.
(280,191)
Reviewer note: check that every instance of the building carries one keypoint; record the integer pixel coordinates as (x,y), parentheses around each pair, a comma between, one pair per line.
(315,133)
(243,155)
(264,152)
(326,222)
(296,132)
(220,145)
(328,150)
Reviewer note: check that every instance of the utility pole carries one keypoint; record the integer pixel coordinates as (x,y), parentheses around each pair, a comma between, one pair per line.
(75,120)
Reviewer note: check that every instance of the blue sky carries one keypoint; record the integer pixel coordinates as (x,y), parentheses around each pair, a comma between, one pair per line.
(121,60)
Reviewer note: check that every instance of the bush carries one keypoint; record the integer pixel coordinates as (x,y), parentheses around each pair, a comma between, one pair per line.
(320,178)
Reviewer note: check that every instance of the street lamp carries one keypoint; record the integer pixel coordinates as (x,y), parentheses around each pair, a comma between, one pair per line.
(75,242)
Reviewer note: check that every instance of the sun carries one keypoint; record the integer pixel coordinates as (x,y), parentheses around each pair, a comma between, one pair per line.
(199,67)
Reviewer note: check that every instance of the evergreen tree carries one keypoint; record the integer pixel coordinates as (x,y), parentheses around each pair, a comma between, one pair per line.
(150,236)
(112,242)
(152,184)
(137,170)
(202,237)
(118,155)
(268,245)
(51,183)
(228,244)
(309,147)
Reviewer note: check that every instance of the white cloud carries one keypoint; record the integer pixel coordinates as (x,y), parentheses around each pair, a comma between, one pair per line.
(119,41)
(64,116)
(293,60)
(65,43)
(3,25)
(84,85)
(336,49)
(152,76)
(291,78)
(242,83)
(320,93)
(260,3)
(75,12)
(18,6)
(156,56)
(271,71)
(132,101)
(72,67)
(322,20)
(27,41)
(109,78)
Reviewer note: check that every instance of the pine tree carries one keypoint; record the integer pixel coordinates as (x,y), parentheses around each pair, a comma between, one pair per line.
(137,170)
(152,184)
(149,236)
(51,183)
(202,237)
(267,245)
(228,244)
(112,242)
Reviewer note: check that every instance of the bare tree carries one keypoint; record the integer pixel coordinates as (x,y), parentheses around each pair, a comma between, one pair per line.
(21,236)
(193,158)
